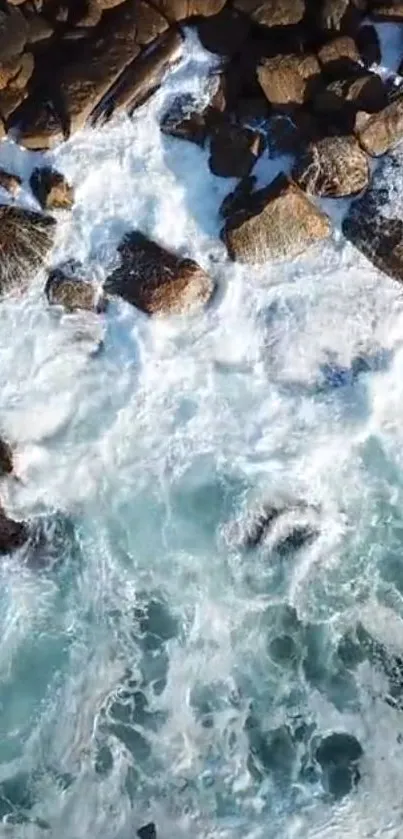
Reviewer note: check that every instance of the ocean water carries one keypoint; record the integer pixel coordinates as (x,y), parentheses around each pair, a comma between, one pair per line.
(152,667)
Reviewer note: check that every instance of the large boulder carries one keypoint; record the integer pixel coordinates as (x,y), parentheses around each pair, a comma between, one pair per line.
(156,280)
(374,223)
(25,240)
(278,222)
(288,80)
(382,131)
(273,12)
(51,189)
(333,167)
(234,150)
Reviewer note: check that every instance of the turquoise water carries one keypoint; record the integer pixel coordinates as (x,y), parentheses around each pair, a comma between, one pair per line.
(153,668)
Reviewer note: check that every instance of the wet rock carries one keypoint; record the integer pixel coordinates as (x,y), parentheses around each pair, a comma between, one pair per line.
(384,130)
(206,8)
(184,122)
(148,831)
(234,150)
(273,12)
(341,100)
(157,281)
(392,11)
(51,189)
(341,15)
(278,222)
(288,134)
(339,56)
(8,70)
(225,33)
(333,167)
(25,240)
(37,124)
(39,29)
(10,101)
(300,536)
(262,522)
(11,183)
(367,40)
(374,223)
(6,458)
(21,79)
(338,756)
(236,199)
(289,80)
(65,287)
(13,534)
(13,32)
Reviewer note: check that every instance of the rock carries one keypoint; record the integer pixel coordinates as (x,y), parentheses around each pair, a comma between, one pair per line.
(288,80)
(65,287)
(13,534)
(13,33)
(10,101)
(92,14)
(225,33)
(180,9)
(12,183)
(338,756)
(25,240)
(109,4)
(148,831)
(278,222)
(384,130)
(333,167)
(234,150)
(342,99)
(342,15)
(236,199)
(392,11)
(39,29)
(288,134)
(26,68)
(273,12)
(157,281)
(143,77)
(367,40)
(6,458)
(36,124)
(374,223)
(8,70)
(51,189)
(184,122)
(340,56)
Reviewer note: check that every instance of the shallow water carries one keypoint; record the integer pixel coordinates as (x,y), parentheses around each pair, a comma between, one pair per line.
(158,670)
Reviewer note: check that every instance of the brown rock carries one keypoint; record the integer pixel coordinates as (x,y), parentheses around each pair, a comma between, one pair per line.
(8,70)
(340,55)
(109,4)
(234,150)
(21,79)
(273,12)
(332,168)
(11,183)
(342,15)
(383,131)
(13,534)
(25,240)
(38,127)
(184,122)
(173,10)
(6,458)
(92,14)
(278,222)
(51,189)
(66,287)
(157,281)
(225,33)
(343,98)
(392,11)
(39,29)
(10,101)
(13,33)
(288,80)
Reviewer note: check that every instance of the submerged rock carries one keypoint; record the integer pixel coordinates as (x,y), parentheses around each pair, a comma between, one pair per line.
(148,831)
(51,189)
(25,240)
(339,755)
(156,280)
(65,287)
(277,222)
(13,534)
(333,167)
(294,538)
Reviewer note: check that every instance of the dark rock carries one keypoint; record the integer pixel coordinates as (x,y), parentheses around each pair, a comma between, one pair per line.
(9,70)
(148,831)
(6,458)
(37,124)
(289,80)
(10,100)
(339,56)
(342,99)
(384,130)
(300,536)
(184,122)
(273,12)
(51,189)
(368,44)
(13,534)
(278,222)
(338,756)
(236,199)
(25,240)
(157,281)
(333,167)
(12,183)
(39,29)
(289,133)
(13,32)
(234,150)
(261,524)
(225,33)
(65,287)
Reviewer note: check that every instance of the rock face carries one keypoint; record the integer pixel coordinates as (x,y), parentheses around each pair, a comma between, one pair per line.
(273,12)
(234,150)
(13,534)
(25,240)
(333,167)
(374,223)
(288,80)
(51,189)
(278,222)
(157,281)
(66,288)
(384,130)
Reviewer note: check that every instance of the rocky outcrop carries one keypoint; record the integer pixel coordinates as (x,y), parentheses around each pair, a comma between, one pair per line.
(51,189)
(157,281)
(382,131)
(234,150)
(273,12)
(67,287)
(25,240)
(13,534)
(333,168)
(278,222)
(288,80)
(374,223)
